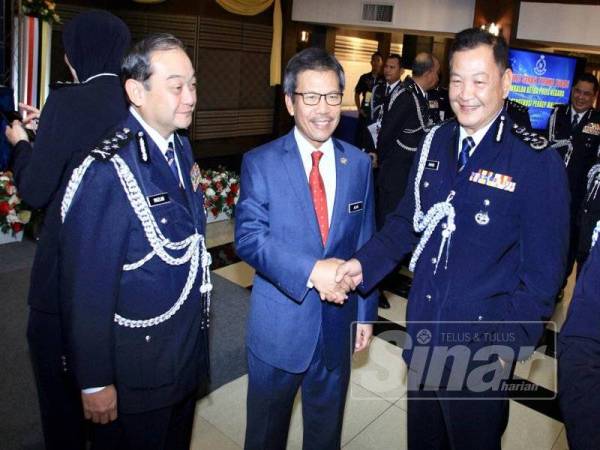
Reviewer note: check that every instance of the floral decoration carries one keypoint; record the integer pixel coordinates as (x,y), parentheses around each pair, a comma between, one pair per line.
(42,9)
(221,190)
(13,216)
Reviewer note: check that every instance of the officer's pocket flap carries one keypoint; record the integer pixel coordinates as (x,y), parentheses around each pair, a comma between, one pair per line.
(146,362)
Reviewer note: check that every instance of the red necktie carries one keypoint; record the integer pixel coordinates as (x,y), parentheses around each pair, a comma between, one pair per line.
(317,190)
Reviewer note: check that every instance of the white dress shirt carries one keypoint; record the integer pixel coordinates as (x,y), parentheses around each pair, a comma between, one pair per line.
(477,136)
(161,142)
(326,166)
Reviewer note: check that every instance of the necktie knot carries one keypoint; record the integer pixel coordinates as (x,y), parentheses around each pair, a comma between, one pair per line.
(467,144)
(387,90)
(316,157)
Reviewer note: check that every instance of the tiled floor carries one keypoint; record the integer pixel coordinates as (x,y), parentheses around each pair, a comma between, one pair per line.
(375,417)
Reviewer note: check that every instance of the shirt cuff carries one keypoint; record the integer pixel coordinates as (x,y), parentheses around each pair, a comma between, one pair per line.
(92,390)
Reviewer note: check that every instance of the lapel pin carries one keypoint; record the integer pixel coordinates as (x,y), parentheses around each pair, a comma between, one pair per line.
(344,160)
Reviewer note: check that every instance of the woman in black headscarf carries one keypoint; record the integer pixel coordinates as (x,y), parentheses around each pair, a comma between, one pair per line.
(74,119)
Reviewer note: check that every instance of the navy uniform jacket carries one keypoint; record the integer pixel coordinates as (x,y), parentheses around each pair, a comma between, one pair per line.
(75,117)
(518,113)
(583,319)
(439,105)
(585,138)
(590,212)
(508,269)
(401,131)
(365,86)
(155,366)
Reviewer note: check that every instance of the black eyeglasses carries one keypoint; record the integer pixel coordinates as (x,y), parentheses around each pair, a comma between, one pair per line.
(313,98)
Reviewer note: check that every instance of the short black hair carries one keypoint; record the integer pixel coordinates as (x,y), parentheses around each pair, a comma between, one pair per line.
(474,37)
(137,65)
(588,78)
(395,56)
(312,58)
(374,54)
(422,64)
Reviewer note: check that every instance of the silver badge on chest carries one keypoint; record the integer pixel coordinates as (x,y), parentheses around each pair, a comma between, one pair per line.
(482,218)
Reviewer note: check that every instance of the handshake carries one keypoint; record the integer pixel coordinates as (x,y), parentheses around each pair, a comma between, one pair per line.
(334,278)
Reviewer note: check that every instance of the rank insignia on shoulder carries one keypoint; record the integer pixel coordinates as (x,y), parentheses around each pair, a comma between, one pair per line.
(534,140)
(142,147)
(592,128)
(109,146)
(492,179)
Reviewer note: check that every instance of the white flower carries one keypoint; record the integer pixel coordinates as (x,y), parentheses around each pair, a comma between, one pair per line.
(14,200)
(11,190)
(210,192)
(24,216)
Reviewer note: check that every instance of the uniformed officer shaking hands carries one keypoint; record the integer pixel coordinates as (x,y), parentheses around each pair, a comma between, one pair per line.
(135,272)
(491,250)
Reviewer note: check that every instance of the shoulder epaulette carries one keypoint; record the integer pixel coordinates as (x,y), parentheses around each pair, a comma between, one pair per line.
(109,146)
(533,140)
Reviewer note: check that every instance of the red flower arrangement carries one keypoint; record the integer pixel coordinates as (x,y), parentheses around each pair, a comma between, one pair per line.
(12,214)
(221,191)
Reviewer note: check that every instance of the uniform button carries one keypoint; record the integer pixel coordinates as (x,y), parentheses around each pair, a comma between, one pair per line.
(426,184)
(428,297)
(480,318)
(148,338)
(163,221)
(486,202)
(444,226)
(433,260)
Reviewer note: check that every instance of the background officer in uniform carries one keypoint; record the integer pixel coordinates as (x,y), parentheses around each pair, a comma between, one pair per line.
(576,129)
(579,359)
(290,229)
(478,208)
(589,214)
(439,105)
(363,94)
(135,272)
(405,118)
(74,118)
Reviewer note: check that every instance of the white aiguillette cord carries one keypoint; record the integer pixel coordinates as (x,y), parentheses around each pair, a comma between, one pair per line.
(427,223)
(196,253)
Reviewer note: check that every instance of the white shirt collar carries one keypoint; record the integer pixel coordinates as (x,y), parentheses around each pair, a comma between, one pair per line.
(393,85)
(307,148)
(161,142)
(478,135)
(579,114)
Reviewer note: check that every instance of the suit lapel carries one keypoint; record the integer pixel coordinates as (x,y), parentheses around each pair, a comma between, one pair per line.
(341,190)
(297,180)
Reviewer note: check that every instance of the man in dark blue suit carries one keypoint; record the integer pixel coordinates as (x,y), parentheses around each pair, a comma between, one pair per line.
(306,200)
(490,252)
(135,267)
(579,358)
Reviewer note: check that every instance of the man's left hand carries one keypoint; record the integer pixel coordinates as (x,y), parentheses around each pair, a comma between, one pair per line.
(15,133)
(364,332)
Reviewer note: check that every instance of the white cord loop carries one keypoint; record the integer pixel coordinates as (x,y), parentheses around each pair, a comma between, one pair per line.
(426,223)
(194,245)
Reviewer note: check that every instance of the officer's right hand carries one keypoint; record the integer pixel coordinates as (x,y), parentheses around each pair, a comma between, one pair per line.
(15,132)
(101,406)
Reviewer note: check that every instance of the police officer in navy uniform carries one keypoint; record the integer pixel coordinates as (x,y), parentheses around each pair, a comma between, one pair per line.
(579,358)
(589,214)
(574,130)
(404,123)
(439,105)
(135,272)
(363,94)
(476,215)
(75,116)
